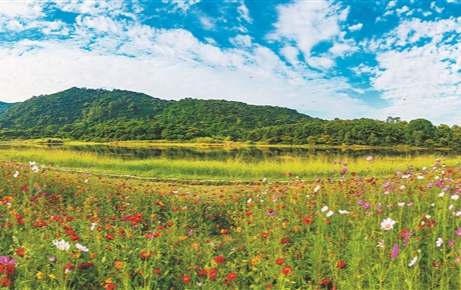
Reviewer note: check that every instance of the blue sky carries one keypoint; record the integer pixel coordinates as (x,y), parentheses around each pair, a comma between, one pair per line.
(327,59)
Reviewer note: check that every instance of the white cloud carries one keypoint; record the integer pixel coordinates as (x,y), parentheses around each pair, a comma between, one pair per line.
(355,27)
(241,40)
(291,54)
(308,23)
(244,13)
(421,81)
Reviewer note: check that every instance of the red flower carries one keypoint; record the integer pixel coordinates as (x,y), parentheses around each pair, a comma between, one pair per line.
(264,235)
(325,281)
(284,241)
(7,269)
(158,271)
(21,252)
(287,270)
(341,264)
(307,220)
(280,261)
(110,236)
(202,273)
(145,255)
(5,282)
(74,238)
(212,274)
(219,259)
(185,279)
(232,276)
(110,286)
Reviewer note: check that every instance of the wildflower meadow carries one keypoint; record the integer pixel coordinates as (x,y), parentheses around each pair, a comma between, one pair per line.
(67,230)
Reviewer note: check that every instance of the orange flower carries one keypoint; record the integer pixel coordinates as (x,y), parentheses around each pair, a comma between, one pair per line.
(118,265)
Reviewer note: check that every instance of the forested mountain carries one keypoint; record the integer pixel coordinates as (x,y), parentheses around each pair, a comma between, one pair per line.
(4,106)
(102,115)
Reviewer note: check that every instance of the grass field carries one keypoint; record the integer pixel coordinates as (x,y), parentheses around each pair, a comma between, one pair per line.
(375,229)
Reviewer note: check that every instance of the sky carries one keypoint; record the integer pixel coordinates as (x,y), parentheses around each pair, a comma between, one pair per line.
(326,59)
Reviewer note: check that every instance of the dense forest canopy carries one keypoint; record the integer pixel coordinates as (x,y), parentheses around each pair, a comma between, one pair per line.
(102,115)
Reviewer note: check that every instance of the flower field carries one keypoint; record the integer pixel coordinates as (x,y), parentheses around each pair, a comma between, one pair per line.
(78,231)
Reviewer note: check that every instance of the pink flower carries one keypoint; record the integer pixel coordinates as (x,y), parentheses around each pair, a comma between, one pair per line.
(395,251)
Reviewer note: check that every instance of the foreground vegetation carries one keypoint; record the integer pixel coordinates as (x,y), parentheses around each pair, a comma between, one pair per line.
(65,230)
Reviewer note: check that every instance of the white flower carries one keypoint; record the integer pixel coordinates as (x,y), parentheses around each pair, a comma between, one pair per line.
(442,194)
(81,248)
(32,163)
(450,207)
(420,177)
(380,244)
(439,242)
(330,213)
(402,187)
(387,224)
(324,209)
(436,177)
(35,168)
(454,196)
(369,158)
(343,211)
(401,203)
(406,176)
(62,245)
(249,200)
(93,225)
(16,173)
(413,261)
(317,188)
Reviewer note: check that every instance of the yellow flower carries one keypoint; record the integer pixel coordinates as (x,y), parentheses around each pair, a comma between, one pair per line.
(196,246)
(182,238)
(52,276)
(108,280)
(39,275)
(239,229)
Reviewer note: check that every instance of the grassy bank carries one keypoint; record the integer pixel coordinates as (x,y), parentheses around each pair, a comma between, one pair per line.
(232,169)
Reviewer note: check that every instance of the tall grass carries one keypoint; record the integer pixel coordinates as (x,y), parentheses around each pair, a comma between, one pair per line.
(232,169)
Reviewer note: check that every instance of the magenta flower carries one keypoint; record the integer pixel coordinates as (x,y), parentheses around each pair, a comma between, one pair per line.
(5,260)
(395,251)
(458,232)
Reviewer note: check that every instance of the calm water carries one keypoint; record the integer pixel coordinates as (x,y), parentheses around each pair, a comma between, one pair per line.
(242,154)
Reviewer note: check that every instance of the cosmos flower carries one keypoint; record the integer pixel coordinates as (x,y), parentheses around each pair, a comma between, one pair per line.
(413,261)
(62,245)
(82,248)
(387,224)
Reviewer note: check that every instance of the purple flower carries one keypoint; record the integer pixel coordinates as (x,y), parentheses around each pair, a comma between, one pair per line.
(458,232)
(360,202)
(5,260)
(451,243)
(366,205)
(190,231)
(395,251)
(343,170)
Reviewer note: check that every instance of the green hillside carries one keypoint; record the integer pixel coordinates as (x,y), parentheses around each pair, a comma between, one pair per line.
(101,115)
(4,106)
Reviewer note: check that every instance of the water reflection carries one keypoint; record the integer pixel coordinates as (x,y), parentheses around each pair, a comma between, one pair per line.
(246,154)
